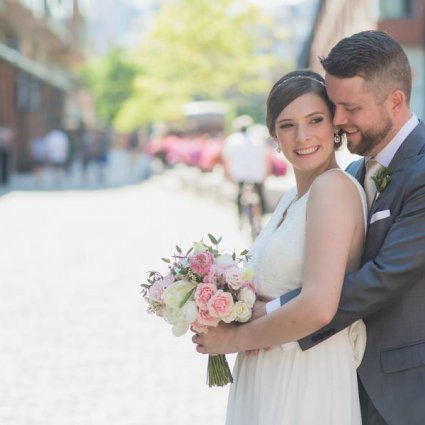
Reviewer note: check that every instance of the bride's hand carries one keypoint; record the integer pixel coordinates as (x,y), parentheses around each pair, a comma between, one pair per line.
(218,340)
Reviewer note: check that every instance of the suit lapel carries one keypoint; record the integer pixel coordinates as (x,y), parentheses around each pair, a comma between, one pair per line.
(357,170)
(404,158)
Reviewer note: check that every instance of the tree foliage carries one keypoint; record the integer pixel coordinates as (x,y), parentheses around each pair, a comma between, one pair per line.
(197,49)
(110,79)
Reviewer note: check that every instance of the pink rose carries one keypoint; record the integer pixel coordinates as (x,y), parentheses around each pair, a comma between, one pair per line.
(249,285)
(201,262)
(205,318)
(212,276)
(203,293)
(220,304)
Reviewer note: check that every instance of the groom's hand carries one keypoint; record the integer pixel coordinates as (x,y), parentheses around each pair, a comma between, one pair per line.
(259,309)
(219,340)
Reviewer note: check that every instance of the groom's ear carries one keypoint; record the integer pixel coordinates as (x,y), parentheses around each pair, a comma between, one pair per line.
(397,100)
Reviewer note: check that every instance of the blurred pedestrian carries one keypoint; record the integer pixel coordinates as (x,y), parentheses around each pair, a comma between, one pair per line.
(38,156)
(6,141)
(246,159)
(57,149)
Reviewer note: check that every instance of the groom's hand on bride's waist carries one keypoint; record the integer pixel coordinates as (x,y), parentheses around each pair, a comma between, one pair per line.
(259,309)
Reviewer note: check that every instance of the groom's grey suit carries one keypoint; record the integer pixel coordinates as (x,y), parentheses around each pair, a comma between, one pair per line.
(388,291)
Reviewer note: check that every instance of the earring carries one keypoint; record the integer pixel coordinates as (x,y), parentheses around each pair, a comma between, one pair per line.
(340,137)
(337,138)
(278,148)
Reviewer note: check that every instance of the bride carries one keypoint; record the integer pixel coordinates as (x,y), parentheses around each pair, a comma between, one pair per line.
(314,237)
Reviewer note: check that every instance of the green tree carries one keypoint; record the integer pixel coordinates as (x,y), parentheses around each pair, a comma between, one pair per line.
(197,49)
(110,79)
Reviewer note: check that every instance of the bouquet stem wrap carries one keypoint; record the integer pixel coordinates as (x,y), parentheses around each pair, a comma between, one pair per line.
(219,373)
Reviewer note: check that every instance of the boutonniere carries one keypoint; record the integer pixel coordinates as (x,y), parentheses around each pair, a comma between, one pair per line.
(382,179)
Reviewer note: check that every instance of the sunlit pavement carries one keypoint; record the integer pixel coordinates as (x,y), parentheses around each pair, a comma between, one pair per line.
(76,345)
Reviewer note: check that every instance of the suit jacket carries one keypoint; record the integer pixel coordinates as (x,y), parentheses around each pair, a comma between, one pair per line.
(388,291)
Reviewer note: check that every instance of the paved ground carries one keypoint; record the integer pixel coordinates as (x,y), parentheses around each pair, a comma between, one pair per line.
(76,345)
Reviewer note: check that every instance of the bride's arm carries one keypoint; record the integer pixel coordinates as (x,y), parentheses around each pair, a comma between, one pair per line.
(334,215)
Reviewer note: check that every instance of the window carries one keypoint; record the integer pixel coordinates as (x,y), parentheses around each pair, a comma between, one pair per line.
(397,9)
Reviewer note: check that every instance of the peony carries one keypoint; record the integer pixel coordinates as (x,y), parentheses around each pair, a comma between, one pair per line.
(220,305)
(176,292)
(180,328)
(247,296)
(233,276)
(190,311)
(205,318)
(201,262)
(243,312)
(203,293)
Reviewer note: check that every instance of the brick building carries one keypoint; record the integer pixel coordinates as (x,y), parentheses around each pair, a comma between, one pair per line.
(402,19)
(40,44)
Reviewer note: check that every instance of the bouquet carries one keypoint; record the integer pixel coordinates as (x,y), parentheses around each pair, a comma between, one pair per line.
(202,288)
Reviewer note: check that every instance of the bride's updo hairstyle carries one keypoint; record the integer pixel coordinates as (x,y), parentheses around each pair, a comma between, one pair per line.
(290,87)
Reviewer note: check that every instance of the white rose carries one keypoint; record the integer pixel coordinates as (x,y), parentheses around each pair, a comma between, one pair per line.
(175,293)
(247,296)
(243,312)
(231,317)
(233,277)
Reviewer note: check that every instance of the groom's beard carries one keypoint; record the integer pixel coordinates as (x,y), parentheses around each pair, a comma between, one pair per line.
(370,139)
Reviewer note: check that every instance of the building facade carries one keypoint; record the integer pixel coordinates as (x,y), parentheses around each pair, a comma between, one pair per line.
(40,44)
(402,19)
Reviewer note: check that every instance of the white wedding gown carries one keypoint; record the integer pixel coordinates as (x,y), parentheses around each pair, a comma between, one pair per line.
(285,385)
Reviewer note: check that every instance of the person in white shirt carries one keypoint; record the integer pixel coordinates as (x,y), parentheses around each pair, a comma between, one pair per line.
(246,159)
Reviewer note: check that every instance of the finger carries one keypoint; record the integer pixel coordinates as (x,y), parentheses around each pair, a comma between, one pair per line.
(201,349)
(195,339)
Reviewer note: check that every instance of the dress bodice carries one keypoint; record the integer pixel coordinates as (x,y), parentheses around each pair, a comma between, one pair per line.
(277,255)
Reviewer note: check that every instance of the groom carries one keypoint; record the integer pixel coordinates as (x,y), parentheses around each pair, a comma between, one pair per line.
(368,79)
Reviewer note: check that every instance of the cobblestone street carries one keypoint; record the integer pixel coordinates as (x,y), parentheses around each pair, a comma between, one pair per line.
(76,344)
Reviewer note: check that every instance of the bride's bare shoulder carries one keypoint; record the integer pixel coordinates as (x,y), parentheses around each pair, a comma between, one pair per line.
(337,189)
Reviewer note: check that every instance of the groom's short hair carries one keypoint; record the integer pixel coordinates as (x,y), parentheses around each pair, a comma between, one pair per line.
(376,57)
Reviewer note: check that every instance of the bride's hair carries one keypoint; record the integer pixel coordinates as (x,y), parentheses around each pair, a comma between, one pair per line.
(290,87)
(376,57)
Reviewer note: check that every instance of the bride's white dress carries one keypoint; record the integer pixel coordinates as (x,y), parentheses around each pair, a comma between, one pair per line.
(285,385)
